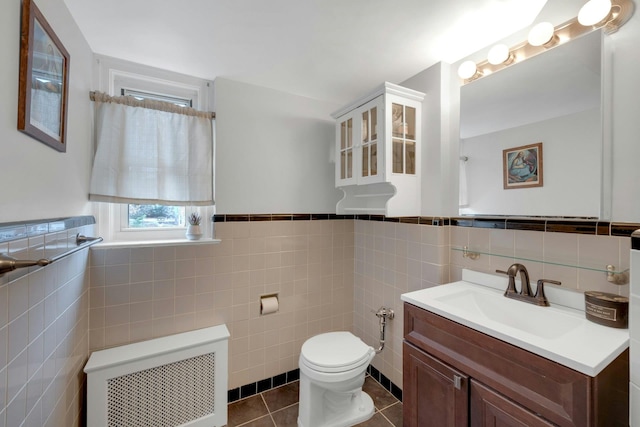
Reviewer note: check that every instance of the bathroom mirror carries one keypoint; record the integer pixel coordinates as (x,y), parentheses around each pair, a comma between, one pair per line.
(554,98)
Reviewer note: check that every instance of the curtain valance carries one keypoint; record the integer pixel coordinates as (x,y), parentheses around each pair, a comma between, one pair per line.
(151,152)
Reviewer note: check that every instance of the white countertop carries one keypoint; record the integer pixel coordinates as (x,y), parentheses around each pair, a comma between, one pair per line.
(560,333)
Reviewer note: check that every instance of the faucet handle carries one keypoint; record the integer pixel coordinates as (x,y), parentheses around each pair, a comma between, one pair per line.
(511,287)
(540,297)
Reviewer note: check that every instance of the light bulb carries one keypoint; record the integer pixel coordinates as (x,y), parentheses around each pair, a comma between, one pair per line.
(541,34)
(498,54)
(593,12)
(467,70)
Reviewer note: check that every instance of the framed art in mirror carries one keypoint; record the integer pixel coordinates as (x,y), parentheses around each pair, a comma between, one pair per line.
(522,166)
(44,80)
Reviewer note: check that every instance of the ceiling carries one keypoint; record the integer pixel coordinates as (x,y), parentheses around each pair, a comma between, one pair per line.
(334,50)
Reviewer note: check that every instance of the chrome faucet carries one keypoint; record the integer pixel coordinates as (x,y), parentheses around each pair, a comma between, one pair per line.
(525,293)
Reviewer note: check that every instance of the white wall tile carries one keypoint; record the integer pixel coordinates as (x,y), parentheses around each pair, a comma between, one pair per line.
(18,297)
(117,256)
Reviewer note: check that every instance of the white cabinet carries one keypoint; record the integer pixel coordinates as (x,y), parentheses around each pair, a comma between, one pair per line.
(378,150)
(358,143)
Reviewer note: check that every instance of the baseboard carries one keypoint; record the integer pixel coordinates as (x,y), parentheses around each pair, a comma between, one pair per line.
(267,384)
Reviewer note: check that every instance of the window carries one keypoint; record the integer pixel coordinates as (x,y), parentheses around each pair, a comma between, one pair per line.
(182,102)
(155,216)
(122,221)
(114,225)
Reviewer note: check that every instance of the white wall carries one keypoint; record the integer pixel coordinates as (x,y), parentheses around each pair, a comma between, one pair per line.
(626,123)
(566,170)
(274,151)
(39,182)
(434,81)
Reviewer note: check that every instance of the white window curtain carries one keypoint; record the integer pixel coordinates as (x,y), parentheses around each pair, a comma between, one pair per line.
(151,152)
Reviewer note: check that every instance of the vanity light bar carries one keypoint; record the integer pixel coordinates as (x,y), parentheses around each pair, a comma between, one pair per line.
(544,36)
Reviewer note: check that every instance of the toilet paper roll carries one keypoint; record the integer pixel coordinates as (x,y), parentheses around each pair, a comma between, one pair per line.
(268,305)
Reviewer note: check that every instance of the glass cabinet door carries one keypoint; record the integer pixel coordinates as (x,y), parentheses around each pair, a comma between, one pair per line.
(403,133)
(370,142)
(346,149)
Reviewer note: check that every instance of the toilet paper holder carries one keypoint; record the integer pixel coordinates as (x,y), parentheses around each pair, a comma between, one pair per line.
(269,304)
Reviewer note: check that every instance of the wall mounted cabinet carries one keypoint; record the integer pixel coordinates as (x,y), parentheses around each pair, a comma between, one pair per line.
(378,149)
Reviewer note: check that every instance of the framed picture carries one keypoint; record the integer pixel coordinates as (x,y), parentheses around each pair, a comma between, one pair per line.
(522,166)
(44,80)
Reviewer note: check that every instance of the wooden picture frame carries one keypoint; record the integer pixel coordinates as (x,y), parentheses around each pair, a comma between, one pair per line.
(522,166)
(44,80)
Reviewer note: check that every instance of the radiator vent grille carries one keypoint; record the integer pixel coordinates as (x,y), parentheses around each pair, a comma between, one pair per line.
(164,396)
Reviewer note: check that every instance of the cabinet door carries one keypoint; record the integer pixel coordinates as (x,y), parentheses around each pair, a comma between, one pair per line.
(370,144)
(435,395)
(345,149)
(489,408)
(404,133)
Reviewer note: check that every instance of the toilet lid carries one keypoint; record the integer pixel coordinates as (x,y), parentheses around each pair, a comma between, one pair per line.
(335,351)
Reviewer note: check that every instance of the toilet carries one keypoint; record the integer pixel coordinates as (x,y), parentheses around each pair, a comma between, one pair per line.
(332,371)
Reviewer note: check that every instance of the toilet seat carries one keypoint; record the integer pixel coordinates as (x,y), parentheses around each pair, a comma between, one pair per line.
(335,352)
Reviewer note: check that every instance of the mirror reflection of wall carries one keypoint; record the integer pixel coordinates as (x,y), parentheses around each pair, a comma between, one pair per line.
(553,98)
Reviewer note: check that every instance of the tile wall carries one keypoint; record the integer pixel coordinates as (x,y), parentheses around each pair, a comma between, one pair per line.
(395,257)
(590,252)
(142,293)
(391,259)
(330,274)
(43,329)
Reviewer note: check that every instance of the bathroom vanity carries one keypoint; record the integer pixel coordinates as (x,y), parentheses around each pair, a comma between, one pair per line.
(469,360)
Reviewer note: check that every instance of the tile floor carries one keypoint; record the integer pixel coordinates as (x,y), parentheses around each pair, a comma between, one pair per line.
(278,407)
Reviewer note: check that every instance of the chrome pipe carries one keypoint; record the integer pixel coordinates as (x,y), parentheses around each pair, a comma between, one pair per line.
(383,314)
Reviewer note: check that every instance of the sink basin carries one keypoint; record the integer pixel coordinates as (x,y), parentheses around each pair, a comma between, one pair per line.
(492,306)
(560,332)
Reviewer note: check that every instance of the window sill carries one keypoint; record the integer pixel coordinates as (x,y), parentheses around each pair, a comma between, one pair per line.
(154,243)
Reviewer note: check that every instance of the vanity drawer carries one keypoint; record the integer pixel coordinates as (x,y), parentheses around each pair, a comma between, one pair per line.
(560,394)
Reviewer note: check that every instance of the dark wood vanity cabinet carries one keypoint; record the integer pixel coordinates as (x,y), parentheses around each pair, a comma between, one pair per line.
(444,388)
(456,376)
(489,408)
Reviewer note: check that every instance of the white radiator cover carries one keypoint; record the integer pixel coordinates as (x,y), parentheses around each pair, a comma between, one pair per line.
(178,380)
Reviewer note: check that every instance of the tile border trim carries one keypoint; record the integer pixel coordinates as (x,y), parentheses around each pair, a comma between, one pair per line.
(549,224)
(267,384)
(385,382)
(278,217)
(23,229)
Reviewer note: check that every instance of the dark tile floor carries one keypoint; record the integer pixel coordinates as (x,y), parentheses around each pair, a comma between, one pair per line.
(278,407)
